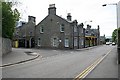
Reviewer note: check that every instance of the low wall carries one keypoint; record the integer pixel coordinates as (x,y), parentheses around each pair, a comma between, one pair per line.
(6,46)
(0,48)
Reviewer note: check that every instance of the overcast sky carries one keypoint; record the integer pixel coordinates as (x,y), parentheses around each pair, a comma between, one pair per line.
(82,10)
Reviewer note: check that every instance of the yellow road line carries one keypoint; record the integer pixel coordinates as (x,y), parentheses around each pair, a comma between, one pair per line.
(87,69)
(91,67)
(80,76)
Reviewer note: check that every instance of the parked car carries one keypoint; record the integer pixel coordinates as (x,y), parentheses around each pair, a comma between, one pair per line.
(113,43)
(108,43)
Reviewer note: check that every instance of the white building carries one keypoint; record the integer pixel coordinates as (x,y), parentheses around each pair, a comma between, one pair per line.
(118,25)
(118,14)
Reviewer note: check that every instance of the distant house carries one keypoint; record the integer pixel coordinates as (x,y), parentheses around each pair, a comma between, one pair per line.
(92,36)
(24,34)
(102,39)
(108,38)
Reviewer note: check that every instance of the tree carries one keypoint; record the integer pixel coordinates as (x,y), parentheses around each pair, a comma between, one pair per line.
(9,18)
(114,35)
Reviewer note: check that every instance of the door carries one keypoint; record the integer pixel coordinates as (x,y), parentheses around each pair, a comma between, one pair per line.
(28,44)
(32,43)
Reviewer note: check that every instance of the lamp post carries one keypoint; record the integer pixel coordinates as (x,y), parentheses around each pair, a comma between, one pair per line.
(118,34)
(109,4)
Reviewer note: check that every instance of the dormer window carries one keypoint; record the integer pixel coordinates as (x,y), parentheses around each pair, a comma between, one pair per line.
(62,28)
(41,29)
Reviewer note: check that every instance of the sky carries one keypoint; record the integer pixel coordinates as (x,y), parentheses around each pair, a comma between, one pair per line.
(82,10)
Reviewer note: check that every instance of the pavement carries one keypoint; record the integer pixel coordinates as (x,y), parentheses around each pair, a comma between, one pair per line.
(64,64)
(17,56)
(21,55)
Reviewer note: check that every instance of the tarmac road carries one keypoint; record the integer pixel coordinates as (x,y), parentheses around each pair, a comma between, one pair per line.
(67,65)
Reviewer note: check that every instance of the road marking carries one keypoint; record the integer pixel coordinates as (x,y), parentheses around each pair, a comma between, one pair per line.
(90,68)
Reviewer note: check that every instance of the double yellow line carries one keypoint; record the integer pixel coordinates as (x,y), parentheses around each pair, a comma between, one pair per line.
(90,68)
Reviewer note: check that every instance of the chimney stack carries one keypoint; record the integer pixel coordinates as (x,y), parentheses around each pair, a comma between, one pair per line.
(52,9)
(88,26)
(69,17)
(31,19)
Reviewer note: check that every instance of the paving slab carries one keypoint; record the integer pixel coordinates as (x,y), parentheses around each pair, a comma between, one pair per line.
(17,55)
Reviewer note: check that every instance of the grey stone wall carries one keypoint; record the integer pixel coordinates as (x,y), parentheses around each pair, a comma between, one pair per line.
(0,47)
(6,46)
(51,25)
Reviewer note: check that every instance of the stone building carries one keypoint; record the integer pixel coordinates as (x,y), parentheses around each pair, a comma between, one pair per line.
(92,36)
(56,32)
(102,39)
(24,35)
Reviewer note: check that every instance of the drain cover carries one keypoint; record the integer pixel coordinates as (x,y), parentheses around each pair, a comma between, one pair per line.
(31,53)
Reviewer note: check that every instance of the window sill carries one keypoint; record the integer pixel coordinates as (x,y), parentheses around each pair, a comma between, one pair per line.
(41,32)
(62,31)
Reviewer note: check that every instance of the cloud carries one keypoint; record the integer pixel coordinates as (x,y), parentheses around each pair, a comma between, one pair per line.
(82,10)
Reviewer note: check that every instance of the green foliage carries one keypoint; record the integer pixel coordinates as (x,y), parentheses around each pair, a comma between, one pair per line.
(114,35)
(119,37)
(9,18)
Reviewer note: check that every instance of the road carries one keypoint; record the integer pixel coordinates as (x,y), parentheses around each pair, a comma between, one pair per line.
(107,68)
(67,65)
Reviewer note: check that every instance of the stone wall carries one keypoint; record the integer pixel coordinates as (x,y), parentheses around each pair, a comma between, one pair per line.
(6,46)
(0,48)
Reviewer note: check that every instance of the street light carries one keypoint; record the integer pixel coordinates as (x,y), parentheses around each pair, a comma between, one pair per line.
(116,14)
(109,4)
(118,41)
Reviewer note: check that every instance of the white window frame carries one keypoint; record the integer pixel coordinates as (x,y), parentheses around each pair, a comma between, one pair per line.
(41,29)
(66,42)
(55,42)
(61,26)
(75,41)
(81,30)
(75,28)
(82,42)
(39,42)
